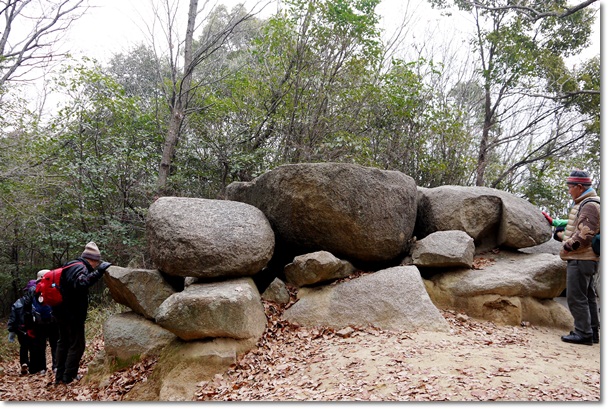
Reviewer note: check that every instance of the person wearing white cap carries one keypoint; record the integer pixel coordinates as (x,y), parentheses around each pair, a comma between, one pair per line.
(71,314)
(41,274)
(22,325)
(45,329)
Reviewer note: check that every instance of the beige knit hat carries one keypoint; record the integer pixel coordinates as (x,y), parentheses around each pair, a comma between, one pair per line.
(91,252)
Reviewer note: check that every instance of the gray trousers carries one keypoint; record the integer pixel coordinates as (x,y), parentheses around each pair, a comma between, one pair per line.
(581,296)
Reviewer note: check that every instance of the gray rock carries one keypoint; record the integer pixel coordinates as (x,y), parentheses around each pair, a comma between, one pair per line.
(491,217)
(517,288)
(208,238)
(546,313)
(141,290)
(191,362)
(315,268)
(227,309)
(129,335)
(513,274)
(550,247)
(276,292)
(391,299)
(449,248)
(522,223)
(354,212)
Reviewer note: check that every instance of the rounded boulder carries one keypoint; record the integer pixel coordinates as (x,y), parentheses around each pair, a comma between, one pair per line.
(205,238)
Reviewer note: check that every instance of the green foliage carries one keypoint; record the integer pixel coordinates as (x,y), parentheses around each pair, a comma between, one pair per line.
(95,163)
(298,95)
(546,187)
(413,130)
(566,35)
(588,103)
(106,154)
(19,205)
(140,74)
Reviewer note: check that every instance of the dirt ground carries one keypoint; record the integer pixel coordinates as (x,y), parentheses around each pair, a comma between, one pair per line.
(475,361)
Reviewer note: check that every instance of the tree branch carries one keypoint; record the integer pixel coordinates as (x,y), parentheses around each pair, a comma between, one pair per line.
(534,14)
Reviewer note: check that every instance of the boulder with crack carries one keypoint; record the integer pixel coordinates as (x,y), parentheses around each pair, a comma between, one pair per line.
(391,299)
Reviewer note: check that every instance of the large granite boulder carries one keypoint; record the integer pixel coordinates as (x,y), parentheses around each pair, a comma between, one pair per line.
(130,336)
(512,274)
(491,217)
(141,290)
(356,213)
(550,247)
(226,309)
(183,367)
(191,237)
(391,299)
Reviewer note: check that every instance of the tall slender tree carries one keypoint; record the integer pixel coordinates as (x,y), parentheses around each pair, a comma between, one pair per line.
(515,43)
(179,91)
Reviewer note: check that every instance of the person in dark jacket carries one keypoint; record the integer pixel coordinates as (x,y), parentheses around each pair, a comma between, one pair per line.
(71,314)
(21,325)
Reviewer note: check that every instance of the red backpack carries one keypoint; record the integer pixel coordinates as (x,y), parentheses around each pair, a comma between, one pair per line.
(48,289)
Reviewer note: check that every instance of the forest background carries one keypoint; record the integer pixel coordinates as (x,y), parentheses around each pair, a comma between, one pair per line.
(217,94)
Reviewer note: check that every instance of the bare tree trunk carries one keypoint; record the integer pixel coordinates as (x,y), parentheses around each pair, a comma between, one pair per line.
(182,88)
(169,146)
(482,157)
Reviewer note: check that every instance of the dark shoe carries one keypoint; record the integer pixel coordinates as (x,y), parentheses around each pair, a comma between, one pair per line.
(596,335)
(575,338)
(69,380)
(23,369)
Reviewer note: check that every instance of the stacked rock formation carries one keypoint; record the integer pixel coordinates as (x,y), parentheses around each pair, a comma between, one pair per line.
(359,245)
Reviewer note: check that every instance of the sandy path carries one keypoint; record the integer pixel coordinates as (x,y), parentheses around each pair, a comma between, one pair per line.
(476,361)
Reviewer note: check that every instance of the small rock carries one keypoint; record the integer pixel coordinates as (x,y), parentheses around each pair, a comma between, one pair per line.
(276,292)
(462,317)
(345,332)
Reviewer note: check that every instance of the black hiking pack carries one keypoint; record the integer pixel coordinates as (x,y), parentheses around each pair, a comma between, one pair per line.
(41,313)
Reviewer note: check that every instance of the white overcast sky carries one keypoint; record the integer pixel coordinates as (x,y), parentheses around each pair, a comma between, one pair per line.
(113,26)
